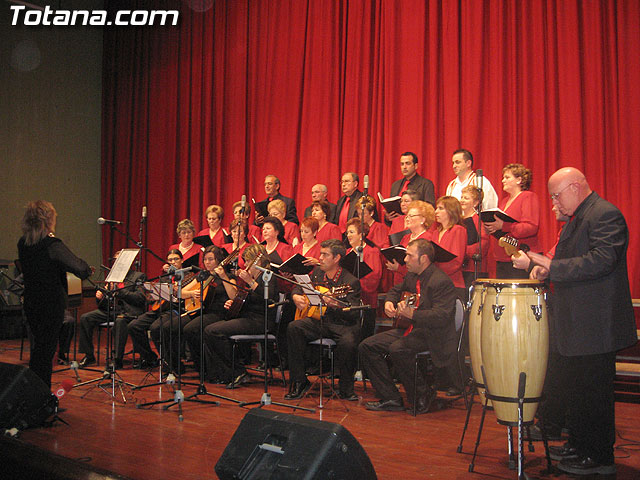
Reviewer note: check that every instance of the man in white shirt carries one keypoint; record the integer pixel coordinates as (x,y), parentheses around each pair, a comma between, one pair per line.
(462,162)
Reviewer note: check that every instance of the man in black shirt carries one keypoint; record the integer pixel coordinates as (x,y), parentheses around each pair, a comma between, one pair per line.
(336,324)
(411,180)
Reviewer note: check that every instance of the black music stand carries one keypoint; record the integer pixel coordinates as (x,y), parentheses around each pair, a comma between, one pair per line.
(116,275)
(265,399)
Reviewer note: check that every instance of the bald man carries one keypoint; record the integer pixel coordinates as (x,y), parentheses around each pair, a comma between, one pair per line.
(592,317)
(318,193)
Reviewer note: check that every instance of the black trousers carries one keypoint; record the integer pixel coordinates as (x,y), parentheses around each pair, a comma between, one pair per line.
(138,331)
(589,392)
(218,348)
(90,320)
(507,270)
(402,352)
(303,331)
(45,329)
(191,334)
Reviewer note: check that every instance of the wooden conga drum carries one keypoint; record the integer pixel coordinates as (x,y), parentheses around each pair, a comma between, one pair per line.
(514,339)
(477,296)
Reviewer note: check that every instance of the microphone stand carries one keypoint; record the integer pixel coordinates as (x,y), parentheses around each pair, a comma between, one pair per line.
(202,390)
(110,372)
(265,399)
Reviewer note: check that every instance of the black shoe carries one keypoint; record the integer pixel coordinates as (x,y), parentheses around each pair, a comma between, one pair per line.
(385,406)
(453,392)
(349,397)
(535,433)
(87,360)
(297,390)
(565,452)
(146,364)
(423,403)
(585,466)
(117,364)
(239,380)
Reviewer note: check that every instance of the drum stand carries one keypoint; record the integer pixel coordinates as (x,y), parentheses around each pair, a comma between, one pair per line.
(109,373)
(520,400)
(266,396)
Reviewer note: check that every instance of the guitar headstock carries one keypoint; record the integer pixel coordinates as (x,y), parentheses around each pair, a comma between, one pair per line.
(512,246)
(341,291)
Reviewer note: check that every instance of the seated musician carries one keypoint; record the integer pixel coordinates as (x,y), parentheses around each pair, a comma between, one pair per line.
(370,282)
(278,209)
(215,296)
(186,232)
(249,301)
(139,327)
(130,301)
(214,214)
(343,327)
(431,328)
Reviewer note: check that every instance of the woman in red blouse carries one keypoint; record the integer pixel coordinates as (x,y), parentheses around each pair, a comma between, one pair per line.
(278,249)
(397,224)
(277,208)
(239,234)
(320,210)
(186,232)
(522,205)
(378,232)
(309,247)
(214,215)
(420,216)
(469,201)
(452,236)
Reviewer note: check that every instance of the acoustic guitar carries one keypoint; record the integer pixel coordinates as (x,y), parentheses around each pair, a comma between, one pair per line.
(512,246)
(242,292)
(160,304)
(314,311)
(412,300)
(193,304)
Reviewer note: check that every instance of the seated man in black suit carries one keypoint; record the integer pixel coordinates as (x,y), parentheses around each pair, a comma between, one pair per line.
(338,325)
(130,301)
(432,327)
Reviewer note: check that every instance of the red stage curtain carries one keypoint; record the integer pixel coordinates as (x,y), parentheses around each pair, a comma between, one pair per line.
(198,114)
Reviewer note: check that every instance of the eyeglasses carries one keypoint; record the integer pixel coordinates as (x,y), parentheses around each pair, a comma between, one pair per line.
(554,196)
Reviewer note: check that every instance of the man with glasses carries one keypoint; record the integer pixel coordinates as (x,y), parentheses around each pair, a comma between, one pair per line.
(591,318)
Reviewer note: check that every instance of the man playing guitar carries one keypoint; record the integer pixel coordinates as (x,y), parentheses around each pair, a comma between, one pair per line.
(432,327)
(336,324)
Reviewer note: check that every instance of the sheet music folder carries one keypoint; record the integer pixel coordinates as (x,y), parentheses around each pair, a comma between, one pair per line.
(122,265)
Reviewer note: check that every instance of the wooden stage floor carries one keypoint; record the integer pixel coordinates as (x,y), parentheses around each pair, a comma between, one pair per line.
(153,444)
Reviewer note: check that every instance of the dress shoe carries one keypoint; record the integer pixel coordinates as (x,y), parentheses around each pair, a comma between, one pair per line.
(553,434)
(585,466)
(564,452)
(298,389)
(349,397)
(453,392)
(424,402)
(239,380)
(394,405)
(87,360)
(146,364)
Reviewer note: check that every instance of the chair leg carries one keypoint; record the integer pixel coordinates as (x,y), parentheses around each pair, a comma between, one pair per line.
(414,410)
(233,363)
(284,381)
(98,351)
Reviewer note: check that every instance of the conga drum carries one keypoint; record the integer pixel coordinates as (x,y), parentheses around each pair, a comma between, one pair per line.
(514,340)
(478,293)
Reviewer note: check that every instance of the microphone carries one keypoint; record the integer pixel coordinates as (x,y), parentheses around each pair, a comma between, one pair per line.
(203,275)
(277,304)
(479,175)
(356,307)
(144,214)
(366,185)
(65,386)
(359,251)
(244,204)
(102,221)
(174,271)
